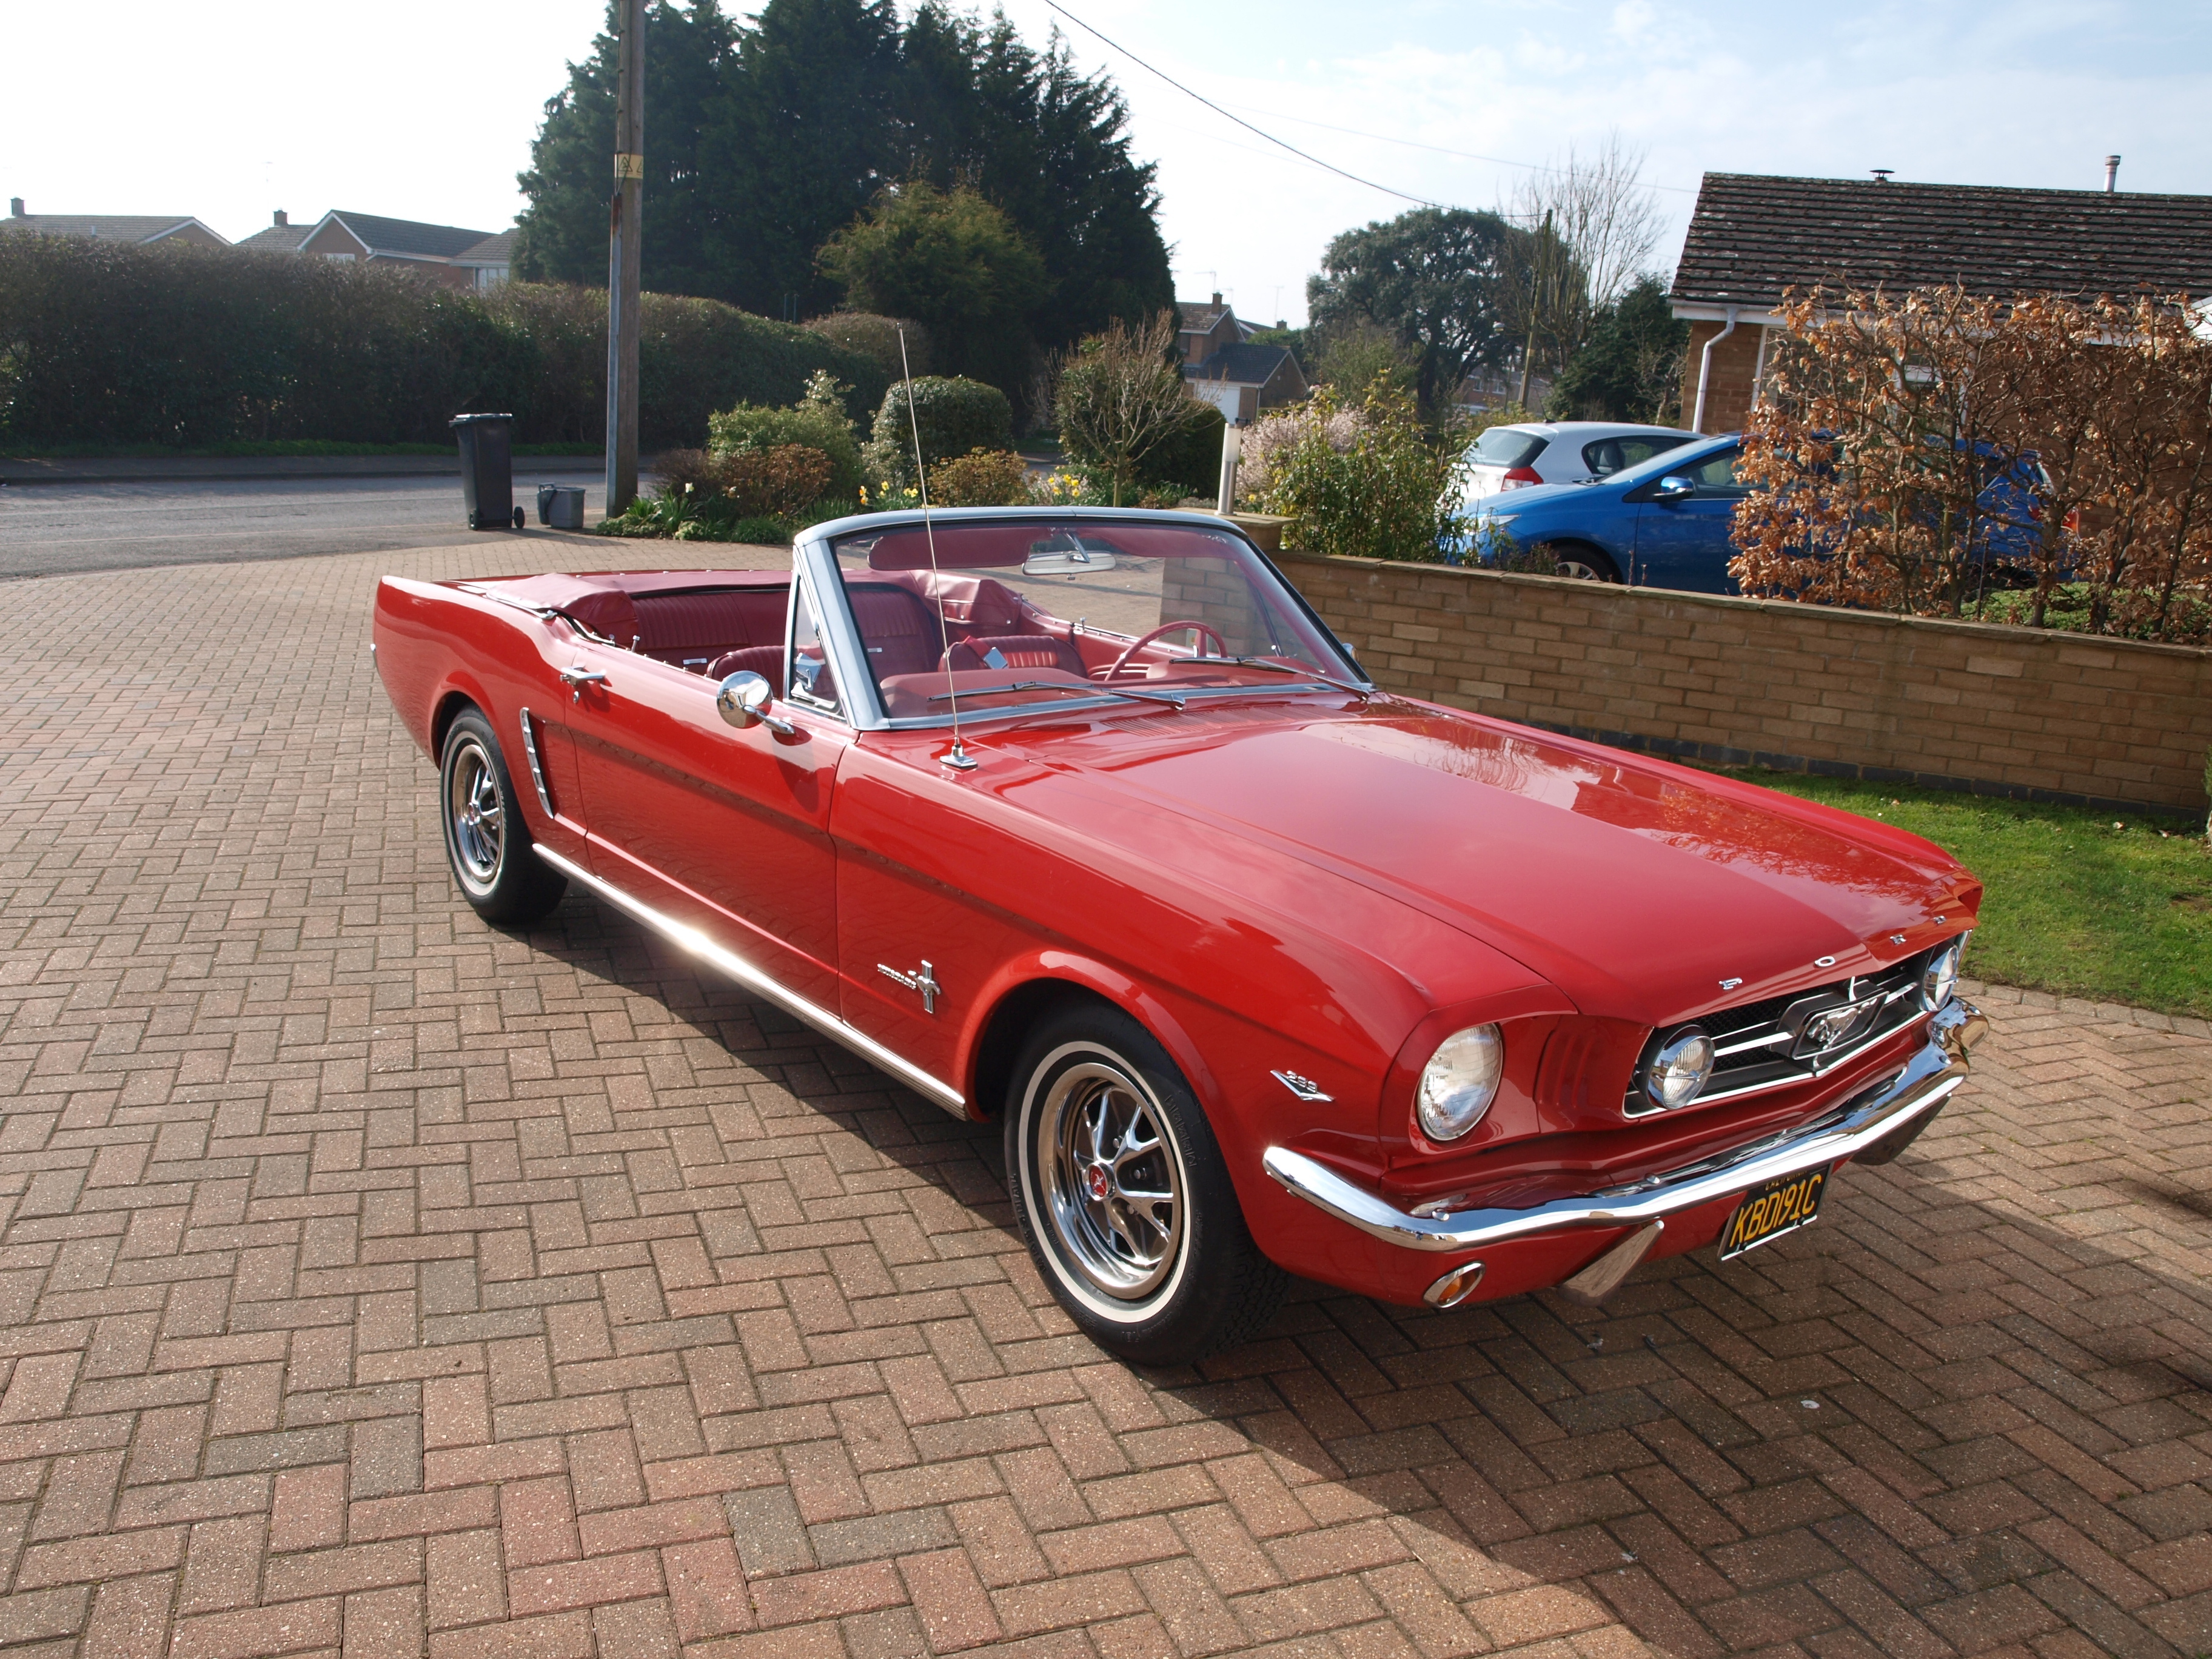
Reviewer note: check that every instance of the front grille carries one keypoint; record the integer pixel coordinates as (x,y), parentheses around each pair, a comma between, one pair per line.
(1793,1038)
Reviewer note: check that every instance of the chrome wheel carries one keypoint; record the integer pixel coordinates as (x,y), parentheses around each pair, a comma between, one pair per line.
(1112,1179)
(475,816)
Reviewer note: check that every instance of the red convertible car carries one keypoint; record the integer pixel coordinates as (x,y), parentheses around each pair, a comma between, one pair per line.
(1084,822)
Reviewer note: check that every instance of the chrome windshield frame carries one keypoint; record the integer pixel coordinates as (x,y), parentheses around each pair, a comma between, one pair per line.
(814,553)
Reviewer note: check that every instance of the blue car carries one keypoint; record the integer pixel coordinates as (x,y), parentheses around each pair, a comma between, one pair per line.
(1665,522)
(1662,523)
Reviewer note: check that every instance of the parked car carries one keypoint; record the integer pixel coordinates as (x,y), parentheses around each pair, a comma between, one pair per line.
(1665,522)
(1560,451)
(1084,823)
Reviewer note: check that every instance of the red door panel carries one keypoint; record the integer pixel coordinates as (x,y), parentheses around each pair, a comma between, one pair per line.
(725,830)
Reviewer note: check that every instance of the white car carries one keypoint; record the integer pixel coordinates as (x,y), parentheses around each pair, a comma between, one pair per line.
(1560,451)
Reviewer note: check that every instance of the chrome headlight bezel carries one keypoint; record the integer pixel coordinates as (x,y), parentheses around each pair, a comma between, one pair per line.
(1939,980)
(1456,1087)
(1679,1069)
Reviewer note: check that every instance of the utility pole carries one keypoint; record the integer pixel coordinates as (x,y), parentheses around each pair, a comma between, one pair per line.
(625,241)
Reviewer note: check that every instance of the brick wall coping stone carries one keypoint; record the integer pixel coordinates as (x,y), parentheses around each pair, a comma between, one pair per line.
(1993,750)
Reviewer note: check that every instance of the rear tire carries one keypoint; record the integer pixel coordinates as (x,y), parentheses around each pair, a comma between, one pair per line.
(1584,562)
(487,846)
(1121,1194)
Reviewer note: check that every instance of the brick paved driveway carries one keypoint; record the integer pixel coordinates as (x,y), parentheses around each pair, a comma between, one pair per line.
(374,1280)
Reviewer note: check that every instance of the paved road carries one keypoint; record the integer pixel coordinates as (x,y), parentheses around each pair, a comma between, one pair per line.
(372,1279)
(53,529)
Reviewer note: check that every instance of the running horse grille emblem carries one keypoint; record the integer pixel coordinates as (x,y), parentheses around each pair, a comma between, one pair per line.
(925,981)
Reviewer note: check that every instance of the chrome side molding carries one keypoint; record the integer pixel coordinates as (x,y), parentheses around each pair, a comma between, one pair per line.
(1926,1082)
(537,771)
(690,938)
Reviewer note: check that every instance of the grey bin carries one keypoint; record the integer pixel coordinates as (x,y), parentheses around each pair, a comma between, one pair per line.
(488,471)
(560,506)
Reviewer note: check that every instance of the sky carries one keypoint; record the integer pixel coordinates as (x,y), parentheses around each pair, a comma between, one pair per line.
(423,109)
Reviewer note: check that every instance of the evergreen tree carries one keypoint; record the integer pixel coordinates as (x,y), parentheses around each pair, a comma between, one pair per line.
(688,54)
(765,140)
(1630,366)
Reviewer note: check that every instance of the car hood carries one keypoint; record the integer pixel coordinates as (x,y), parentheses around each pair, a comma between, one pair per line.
(1512,503)
(1641,890)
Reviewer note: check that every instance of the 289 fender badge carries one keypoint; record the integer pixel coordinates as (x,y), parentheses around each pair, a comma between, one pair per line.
(1303,1087)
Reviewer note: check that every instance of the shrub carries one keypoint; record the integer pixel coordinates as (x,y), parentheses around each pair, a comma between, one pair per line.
(1271,437)
(1120,401)
(877,339)
(981,477)
(1386,496)
(1189,457)
(954,416)
(775,483)
(816,420)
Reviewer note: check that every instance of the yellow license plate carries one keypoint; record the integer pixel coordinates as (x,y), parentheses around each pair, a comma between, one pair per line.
(1778,1207)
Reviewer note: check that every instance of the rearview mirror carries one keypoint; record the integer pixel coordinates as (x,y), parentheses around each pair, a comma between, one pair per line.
(1067,558)
(1673,488)
(743,701)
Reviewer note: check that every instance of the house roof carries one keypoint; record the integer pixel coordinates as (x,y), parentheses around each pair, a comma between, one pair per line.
(405,237)
(497,250)
(106,227)
(1198,317)
(278,239)
(1239,365)
(1752,236)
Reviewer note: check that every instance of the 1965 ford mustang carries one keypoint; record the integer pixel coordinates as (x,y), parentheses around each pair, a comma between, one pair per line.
(1084,820)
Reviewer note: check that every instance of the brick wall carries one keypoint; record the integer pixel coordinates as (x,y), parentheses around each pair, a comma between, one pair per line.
(1799,686)
(1727,393)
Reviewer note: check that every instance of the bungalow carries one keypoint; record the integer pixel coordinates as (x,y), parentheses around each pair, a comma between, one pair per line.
(138,229)
(1240,380)
(450,254)
(1752,237)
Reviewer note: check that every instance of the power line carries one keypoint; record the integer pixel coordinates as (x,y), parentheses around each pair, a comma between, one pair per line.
(1439,150)
(1402,195)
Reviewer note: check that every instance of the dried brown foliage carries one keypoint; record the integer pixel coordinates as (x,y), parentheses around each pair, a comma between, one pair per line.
(981,477)
(764,483)
(1872,455)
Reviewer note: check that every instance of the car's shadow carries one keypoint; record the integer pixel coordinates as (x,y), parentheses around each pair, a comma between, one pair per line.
(1930,1424)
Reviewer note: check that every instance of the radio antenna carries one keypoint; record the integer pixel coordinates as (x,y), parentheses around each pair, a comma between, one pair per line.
(957,757)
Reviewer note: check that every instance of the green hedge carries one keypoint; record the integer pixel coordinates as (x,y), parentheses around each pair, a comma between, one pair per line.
(954,416)
(107,345)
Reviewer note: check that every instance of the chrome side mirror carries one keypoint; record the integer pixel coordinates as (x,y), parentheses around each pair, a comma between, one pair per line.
(1673,488)
(743,701)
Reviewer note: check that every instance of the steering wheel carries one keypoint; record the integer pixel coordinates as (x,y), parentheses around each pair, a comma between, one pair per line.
(1206,629)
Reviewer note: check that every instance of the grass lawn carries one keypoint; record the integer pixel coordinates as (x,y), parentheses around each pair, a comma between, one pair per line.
(2113,907)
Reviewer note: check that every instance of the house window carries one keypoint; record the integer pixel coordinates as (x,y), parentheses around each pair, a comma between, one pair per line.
(339,258)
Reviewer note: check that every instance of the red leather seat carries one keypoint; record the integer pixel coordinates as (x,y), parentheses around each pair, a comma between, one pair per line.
(765,661)
(899,631)
(1015,650)
(692,629)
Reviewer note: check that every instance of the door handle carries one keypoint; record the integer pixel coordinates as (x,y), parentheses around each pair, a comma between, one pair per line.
(577,679)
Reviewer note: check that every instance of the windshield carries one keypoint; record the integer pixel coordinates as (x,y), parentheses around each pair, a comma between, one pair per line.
(1021,613)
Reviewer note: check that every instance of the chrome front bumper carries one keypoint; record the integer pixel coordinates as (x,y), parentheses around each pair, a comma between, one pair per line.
(1927,1081)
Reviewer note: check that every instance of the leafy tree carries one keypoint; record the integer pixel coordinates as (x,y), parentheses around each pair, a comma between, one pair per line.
(955,263)
(1356,356)
(1630,366)
(688,54)
(1431,278)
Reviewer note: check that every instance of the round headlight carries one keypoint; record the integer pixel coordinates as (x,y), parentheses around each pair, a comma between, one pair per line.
(1679,1069)
(1459,1081)
(1942,978)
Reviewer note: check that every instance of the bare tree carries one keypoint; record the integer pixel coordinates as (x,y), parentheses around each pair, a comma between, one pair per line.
(1589,225)
(1119,396)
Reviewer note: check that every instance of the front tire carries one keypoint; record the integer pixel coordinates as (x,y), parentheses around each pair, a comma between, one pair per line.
(1121,1194)
(487,846)
(1584,562)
